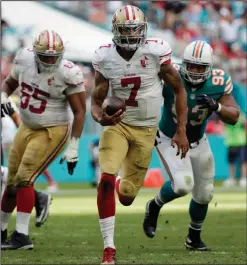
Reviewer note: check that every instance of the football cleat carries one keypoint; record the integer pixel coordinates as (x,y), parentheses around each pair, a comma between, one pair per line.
(109,256)
(150,218)
(42,207)
(4,235)
(196,245)
(17,241)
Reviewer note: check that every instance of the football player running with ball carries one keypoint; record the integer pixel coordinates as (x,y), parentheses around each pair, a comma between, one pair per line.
(208,90)
(48,85)
(133,67)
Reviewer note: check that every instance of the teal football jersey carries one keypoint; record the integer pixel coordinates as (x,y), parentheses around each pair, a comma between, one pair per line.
(217,85)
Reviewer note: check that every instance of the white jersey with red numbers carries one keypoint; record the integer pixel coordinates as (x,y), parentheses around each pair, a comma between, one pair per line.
(43,101)
(137,80)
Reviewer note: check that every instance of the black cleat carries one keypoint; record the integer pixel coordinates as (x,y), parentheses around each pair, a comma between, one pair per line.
(4,235)
(17,241)
(196,245)
(151,218)
(42,207)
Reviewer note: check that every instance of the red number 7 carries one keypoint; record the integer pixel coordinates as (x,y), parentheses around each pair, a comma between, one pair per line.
(136,81)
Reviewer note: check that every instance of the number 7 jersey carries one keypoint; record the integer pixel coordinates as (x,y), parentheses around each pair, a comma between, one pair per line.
(43,101)
(137,80)
(217,85)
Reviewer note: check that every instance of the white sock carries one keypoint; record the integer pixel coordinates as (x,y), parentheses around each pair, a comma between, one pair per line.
(107,226)
(22,222)
(5,220)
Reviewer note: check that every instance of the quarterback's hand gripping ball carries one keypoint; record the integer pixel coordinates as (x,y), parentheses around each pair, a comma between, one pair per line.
(113,111)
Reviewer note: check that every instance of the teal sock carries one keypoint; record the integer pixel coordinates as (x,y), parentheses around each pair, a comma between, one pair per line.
(166,194)
(198,214)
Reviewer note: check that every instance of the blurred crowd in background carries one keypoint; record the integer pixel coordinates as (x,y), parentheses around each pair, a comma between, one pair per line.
(223,24)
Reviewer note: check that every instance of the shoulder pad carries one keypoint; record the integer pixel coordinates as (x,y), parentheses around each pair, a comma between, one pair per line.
(24,56)
(222,79)
(72,73)
(159,48)
(102,52)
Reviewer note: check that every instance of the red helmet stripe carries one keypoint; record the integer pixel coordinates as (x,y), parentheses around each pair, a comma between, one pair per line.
(133,12)
(127,13)
(54,38)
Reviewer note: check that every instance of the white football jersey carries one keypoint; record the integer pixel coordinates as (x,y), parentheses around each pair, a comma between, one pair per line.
(43,101)
(137,80)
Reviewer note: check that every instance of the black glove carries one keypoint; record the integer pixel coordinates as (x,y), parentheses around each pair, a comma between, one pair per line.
(7,109)
(206,102)
(157,139)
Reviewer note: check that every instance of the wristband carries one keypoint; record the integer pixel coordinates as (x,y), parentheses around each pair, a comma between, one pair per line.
(219,108)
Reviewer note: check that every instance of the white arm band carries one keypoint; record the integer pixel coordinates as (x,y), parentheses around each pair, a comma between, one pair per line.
(219,108)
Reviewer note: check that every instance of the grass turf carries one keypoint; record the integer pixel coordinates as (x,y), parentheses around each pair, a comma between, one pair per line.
(72,236)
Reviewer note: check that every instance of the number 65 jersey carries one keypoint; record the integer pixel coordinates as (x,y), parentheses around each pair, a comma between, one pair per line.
(136,81)
(43,101)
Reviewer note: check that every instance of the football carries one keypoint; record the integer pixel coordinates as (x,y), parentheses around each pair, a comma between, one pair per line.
(113,104)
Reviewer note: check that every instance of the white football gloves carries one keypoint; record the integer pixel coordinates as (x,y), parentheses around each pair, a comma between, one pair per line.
(71,155)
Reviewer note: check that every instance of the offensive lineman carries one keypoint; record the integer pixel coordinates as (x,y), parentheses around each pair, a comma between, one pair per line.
(48,85)
(42,200)
(209,90)
(133,67)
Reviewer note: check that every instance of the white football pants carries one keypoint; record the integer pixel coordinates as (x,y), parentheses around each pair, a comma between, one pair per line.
(193,173)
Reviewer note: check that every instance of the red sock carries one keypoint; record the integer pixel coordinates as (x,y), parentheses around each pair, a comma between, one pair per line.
(124,200)
(8,203)
(25,199)
(106,197)
(48,177)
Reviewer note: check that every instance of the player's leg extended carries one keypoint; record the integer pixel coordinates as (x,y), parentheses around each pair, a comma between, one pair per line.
(43,147)
(8,200)
(181,182)
(203,168)
(136,163)
(113,148)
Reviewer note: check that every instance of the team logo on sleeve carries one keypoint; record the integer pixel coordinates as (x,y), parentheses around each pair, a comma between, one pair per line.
(144,61)
(51,81)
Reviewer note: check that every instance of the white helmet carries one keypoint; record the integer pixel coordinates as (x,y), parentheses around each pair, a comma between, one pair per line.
(201,53)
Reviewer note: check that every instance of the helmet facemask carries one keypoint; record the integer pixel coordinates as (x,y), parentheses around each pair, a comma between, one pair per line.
(48,62)
(195,77)
(130,36)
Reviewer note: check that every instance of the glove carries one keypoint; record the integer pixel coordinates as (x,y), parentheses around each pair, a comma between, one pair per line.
(71,155)
(157,139)
(4,102)
(206,102)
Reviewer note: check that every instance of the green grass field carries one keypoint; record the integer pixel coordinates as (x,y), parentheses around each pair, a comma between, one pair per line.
(72,236)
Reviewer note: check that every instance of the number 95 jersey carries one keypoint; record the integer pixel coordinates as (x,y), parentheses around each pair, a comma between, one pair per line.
(136,81)
(43,101)
(217,85)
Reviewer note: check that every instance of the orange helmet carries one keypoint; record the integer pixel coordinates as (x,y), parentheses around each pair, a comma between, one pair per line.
(129,27)
(48,49)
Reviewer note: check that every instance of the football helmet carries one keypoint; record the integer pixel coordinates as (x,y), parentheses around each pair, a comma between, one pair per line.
(197,62)
(129,27)
(48,49)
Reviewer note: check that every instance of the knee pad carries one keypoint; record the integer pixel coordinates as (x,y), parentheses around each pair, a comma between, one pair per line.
(127,192)
(24,184)
(11,191)
(204,194)
(183,183)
